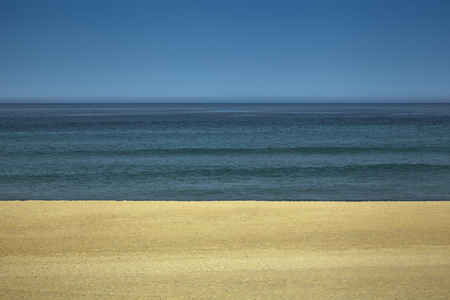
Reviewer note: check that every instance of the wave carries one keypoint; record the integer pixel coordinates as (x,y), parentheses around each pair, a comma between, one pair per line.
(321,171)
(187,172)
(240,151)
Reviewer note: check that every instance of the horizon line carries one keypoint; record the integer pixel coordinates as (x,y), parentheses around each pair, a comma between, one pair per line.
(234,100)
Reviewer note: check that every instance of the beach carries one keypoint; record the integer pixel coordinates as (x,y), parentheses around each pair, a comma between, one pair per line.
(224,250)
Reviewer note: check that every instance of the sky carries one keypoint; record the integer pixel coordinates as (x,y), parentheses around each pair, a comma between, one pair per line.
(225,50)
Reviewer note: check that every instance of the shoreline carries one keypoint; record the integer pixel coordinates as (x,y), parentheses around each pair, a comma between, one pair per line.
(224,249)
(218,201)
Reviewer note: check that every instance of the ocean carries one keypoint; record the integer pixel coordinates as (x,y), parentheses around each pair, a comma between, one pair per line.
(189,152)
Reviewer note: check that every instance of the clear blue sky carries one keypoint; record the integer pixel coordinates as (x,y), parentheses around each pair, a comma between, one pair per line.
(229,50)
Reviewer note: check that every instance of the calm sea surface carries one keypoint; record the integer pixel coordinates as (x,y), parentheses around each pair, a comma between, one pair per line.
(225,151)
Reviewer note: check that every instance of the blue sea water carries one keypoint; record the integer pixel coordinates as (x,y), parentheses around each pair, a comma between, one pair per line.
(296,152)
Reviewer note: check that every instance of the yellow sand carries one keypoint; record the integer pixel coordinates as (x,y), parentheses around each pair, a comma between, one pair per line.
(224,250)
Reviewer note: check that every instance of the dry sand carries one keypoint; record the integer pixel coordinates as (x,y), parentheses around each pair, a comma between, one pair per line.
(224,250)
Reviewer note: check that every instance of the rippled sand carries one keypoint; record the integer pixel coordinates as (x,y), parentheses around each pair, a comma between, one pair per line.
(236,250)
